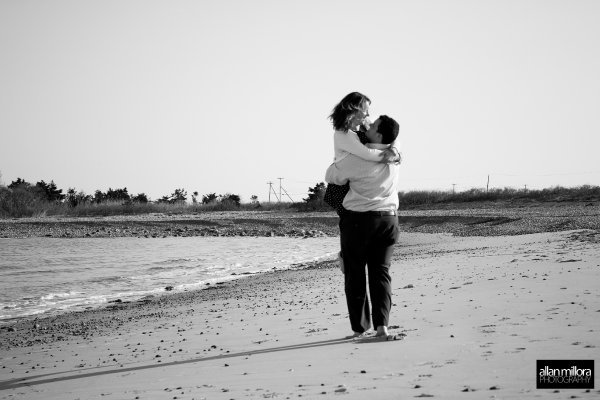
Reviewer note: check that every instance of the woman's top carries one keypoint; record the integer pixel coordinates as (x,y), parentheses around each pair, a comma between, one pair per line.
(345,143)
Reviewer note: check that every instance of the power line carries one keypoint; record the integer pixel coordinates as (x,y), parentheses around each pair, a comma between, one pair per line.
(286,193)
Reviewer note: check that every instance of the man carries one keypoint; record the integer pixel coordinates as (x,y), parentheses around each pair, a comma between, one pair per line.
(369,230)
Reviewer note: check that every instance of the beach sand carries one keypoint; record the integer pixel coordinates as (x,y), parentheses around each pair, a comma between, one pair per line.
(477,313)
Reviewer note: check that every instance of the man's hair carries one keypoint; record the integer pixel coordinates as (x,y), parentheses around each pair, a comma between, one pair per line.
(343,111)
(388,128)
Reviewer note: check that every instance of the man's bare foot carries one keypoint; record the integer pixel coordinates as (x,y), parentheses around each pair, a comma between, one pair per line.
(382,330)
(383,334)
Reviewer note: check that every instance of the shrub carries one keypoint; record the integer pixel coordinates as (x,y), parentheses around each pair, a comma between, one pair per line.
(19,183)
(140,198)
(315,197)
(19,201)
(231,198)
(73,198)
(210,198)
(50,191)
(117,195)
(178,196)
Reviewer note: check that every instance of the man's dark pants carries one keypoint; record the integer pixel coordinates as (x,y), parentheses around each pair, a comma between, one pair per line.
(368,239)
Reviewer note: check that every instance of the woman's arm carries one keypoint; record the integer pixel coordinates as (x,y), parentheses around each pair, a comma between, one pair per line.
(349,142)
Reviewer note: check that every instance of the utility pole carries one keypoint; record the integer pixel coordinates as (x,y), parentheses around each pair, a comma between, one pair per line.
(272,190)
(453,185)
(487,188)
(280,179)
(281,188)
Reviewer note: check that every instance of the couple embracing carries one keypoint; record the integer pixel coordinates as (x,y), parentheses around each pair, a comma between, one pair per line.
(363,190)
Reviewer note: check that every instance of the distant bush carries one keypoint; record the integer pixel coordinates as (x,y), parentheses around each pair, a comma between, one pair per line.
(19,202)
(19,183)
(73,198)
(557,193)
(140,198)
(111,195)
(178,196)
(21,199)
(225,201)
(50,191)
(210,198)
(315,201)
(231,198)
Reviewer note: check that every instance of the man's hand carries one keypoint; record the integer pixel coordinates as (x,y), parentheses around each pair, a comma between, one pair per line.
(391,156)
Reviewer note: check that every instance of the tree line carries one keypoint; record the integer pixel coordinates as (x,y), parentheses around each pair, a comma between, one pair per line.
(20,194)
(21,198)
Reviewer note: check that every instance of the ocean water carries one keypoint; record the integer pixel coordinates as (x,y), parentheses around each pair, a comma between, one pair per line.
(41,276)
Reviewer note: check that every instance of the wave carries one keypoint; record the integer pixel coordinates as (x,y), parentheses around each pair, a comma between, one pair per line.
(64,295)
(182,260)
(105,279)
(171,267)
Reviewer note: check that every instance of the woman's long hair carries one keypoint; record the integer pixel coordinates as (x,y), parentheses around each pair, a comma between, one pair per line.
(345,109)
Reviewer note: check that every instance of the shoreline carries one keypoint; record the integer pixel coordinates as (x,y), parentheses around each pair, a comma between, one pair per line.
(44,328)
(46,319)
(483,219)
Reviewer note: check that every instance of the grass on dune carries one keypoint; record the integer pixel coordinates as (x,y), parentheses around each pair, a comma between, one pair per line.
(16,204)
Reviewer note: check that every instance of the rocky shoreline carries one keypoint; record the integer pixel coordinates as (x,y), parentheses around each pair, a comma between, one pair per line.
(264,224)
(484,219)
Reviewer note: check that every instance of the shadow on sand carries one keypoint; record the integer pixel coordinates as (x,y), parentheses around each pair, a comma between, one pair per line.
(98,371)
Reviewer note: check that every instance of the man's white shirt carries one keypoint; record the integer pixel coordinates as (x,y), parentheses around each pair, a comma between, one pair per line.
(373,185)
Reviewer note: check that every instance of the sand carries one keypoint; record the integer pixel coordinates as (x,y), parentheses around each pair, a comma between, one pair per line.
(477,313)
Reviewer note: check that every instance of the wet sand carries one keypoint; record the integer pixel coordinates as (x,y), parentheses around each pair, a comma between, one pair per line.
(477,313)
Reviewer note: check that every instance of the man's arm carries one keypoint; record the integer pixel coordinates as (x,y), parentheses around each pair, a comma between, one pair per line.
(353,166)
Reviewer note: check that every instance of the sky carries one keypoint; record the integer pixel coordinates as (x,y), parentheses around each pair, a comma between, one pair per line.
(225,96)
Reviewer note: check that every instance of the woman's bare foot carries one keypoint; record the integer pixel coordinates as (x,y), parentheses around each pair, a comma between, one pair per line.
(340,261)
(358,335)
